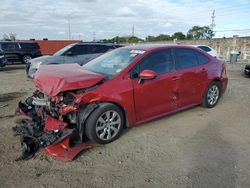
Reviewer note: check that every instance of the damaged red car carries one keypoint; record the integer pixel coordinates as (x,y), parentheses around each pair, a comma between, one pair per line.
(122,88)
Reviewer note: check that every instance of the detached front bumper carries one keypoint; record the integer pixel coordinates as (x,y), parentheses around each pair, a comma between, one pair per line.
(55,136)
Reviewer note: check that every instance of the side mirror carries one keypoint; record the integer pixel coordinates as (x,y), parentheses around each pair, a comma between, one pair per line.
(147,75)
(69,53)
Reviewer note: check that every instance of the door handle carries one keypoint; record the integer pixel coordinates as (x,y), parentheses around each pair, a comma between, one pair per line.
(174,78)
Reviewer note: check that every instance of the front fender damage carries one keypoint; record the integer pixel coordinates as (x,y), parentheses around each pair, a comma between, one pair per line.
(56,137)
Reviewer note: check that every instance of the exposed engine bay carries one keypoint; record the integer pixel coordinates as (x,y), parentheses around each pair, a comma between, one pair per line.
(55,124)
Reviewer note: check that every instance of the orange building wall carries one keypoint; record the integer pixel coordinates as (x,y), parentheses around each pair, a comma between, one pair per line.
(49,47)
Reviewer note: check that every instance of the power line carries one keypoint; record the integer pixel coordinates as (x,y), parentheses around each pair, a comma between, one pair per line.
(219,10)
(229,30)
(94,37)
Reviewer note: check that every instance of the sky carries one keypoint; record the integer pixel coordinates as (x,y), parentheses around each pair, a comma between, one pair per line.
(101,19)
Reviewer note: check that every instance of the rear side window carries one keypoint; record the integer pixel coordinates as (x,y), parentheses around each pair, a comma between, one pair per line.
(205,48)
(9,46)
(29,45)
(79,50)
(110,48)
(160,62)
(95,49)
(185,58)
(202,59)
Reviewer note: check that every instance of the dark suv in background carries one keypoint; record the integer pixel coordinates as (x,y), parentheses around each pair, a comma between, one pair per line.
(20,51)
(3,60)
(74,53)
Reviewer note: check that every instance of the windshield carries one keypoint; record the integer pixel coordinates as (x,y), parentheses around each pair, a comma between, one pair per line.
(61,52)
(112,63)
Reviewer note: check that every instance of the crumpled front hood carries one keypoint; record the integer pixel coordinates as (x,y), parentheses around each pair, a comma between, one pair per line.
(53,79)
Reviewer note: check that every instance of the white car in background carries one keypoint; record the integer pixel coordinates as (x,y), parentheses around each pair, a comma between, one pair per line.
(207,49)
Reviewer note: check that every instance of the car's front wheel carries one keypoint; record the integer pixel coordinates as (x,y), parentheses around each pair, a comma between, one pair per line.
(26,59)
(212,95)
(105,124)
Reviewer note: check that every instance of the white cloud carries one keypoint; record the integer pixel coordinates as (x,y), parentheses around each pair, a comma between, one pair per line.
(168,24)
(125,11)
(61,32)
(108,18)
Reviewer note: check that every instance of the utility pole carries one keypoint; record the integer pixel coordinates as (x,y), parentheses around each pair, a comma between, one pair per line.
(94,37)
(69,26)
(133,30)
(212,26)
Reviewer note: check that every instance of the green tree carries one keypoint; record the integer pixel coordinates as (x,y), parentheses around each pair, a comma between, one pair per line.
(117,39)
(134,39)
(179,36)
(150,38)
(197,32)
(163,37)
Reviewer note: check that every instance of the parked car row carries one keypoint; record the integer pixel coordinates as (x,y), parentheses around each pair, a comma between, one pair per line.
(20,51)
(121,88)
(74,53)
(3,60)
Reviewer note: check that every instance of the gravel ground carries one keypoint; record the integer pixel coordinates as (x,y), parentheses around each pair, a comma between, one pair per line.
(194,148)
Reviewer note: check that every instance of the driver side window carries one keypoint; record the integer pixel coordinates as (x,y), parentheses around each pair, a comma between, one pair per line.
(160,62)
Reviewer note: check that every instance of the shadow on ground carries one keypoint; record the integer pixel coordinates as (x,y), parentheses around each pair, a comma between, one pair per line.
(213,161)
(8,68)
(11,96)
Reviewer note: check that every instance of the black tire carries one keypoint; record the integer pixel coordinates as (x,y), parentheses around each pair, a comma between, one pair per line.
(93,123)
(207,101)
(26,59)
(2,64)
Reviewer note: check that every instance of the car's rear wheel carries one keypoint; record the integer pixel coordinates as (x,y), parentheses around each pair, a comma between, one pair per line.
(212,95)
(105,124)
(26,58)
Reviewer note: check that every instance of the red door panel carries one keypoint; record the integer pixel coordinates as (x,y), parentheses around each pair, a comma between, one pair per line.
(192,76)
(154,97)
(187,87)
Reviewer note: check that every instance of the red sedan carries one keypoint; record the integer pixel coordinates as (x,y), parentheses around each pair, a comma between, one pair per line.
(122,88)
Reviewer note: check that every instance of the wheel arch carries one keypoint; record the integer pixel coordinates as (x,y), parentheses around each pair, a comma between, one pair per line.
(88,109)
(219,81)
(209,83)
(26,54)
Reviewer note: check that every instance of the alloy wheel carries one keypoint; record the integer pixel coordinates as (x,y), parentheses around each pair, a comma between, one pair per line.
(213,94)
(26,58)
(108,125)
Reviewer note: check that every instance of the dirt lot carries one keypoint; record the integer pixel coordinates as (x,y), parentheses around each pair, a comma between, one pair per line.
(195,148)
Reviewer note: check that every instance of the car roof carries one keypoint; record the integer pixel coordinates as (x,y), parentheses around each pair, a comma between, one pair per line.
(29,42)
(98,43)
(196,45)
(149,47)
